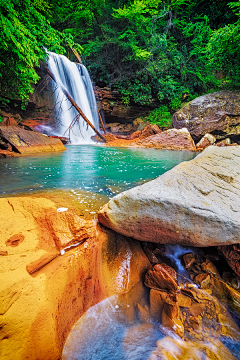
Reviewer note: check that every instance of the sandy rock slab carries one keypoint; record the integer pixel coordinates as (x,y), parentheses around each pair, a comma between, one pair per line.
(197,203)
(54,265)
(29,142)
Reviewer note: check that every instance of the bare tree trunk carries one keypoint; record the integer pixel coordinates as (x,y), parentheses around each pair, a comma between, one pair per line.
(77,55)
(101,121)
(68,96)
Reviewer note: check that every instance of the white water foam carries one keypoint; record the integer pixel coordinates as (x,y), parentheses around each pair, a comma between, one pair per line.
(75,79)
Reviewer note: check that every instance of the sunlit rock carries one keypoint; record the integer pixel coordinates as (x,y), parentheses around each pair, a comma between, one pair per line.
(29,142)
(172,139)
(205,141)
(55,266)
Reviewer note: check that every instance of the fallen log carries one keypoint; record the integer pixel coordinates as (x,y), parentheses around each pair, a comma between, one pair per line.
(68,96)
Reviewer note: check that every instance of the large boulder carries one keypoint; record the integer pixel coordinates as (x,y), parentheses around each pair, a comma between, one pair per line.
(197,203)
(217,113)
(54,266)
(172,139)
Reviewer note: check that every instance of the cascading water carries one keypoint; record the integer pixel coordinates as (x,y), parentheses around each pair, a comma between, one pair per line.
(75,78)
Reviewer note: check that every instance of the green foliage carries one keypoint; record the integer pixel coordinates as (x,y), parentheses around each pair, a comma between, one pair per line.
(160,116)
(224,53)
(24,35)
(149,50)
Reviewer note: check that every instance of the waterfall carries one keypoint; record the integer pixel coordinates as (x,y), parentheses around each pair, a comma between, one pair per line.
(75,78)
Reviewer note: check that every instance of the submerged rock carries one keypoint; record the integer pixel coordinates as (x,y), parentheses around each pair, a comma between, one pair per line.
(197,203)
(217,113)
(54,267)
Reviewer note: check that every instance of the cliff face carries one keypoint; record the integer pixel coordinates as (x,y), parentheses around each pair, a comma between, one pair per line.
(54,266)
(216,113)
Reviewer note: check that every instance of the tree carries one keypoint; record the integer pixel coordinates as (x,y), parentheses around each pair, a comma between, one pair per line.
(25,34)
(224,50)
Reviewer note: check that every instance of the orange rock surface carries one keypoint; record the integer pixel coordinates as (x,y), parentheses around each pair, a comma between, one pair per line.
(54,266)
(29,142)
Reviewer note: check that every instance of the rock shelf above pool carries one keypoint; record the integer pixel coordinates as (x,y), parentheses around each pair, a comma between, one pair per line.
(51,274)
(197,203)
(26,142)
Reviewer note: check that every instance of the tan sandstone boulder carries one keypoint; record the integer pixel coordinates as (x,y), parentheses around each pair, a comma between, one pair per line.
(196,203)
(53,267)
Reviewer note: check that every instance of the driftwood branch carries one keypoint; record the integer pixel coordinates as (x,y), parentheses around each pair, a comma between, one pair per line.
(68,96)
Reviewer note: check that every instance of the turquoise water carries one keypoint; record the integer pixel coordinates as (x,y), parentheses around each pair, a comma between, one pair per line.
(97,169)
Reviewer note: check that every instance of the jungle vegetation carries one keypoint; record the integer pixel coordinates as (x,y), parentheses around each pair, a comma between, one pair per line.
(154,52)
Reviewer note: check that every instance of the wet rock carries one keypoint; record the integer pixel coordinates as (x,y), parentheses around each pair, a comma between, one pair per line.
(3,253)
(188,259)
(196,203)
(226,293)
(205,141)
(157,300)
(143,312)
(209,267)
(232,255)
(15,240)
(165,309)
(159,278)
(7,153)
(171,139)
(150,255)
(184,301)
(174,324)
(170,270)
(217,113)
(170,348)
(203,280)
